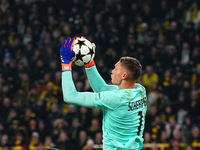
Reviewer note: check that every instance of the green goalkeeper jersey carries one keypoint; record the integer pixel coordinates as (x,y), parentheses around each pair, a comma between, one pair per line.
(123,110)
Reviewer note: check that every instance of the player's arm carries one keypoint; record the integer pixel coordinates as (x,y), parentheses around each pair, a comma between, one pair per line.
(107,99)
(70,94)
(96,81)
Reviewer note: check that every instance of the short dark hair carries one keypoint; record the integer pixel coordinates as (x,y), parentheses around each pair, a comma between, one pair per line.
(133,65)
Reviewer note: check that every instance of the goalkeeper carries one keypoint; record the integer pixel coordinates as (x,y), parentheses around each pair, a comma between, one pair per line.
(124,103)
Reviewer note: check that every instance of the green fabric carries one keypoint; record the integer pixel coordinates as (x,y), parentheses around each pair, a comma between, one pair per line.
(123,110)
(96,81)
(70,94)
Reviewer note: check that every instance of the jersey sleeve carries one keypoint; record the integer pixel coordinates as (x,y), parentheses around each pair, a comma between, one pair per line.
(107,99)
(96,81)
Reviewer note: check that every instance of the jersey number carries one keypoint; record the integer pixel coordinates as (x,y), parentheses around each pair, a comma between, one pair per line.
(140,123)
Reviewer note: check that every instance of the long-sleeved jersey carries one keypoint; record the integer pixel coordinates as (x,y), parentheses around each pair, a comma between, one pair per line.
(123,110)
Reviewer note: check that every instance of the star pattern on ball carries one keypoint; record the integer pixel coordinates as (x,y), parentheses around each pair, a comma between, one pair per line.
(91,51)
(79,56)
(80,43)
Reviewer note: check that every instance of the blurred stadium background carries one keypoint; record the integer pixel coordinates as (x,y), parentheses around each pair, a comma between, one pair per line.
(163,34)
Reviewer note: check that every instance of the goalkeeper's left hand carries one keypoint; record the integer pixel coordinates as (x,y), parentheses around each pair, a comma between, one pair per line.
(92,63)
(67,54)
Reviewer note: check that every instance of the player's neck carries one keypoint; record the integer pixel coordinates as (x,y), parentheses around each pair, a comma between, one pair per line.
(127,84)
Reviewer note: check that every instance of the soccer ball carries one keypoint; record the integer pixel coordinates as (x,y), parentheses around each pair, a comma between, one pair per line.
(84,51)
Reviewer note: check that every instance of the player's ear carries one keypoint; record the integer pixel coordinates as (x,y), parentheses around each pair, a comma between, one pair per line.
(125,75)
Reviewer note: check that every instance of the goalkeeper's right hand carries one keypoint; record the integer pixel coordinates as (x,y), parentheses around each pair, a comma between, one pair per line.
(92,63)
(67,54)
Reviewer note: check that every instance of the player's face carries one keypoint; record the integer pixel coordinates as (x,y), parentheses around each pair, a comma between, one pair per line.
(117,74)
